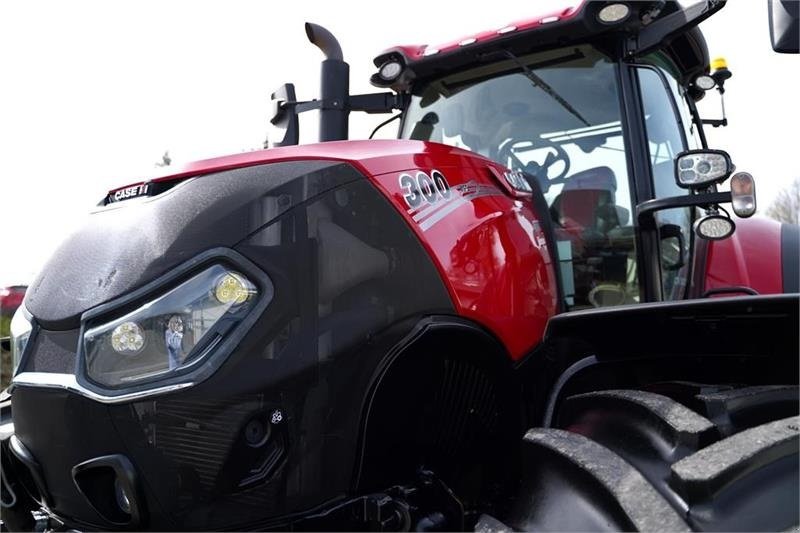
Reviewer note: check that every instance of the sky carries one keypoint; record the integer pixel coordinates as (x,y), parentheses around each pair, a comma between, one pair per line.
(93,93)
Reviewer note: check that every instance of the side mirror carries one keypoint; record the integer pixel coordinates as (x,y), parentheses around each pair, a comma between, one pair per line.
(5,344)
(784,29)
(699,169)
(672,246)
(284,117)
(423,130)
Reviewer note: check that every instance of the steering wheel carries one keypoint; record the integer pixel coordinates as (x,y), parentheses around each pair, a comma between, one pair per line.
(508,153)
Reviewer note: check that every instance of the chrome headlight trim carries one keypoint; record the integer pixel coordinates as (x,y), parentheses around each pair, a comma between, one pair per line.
(22,315)
(69,382)
(194,374)
(169,333)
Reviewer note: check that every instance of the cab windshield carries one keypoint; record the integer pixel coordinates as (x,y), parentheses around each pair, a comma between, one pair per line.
(556,116)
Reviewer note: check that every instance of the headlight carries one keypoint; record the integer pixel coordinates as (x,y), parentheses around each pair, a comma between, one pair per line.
(20,333)
(170,333)
(698,169)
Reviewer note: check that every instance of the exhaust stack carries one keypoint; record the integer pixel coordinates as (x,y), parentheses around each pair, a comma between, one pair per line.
(334,85)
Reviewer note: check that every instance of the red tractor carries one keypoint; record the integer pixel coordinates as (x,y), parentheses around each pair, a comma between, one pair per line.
(529,312)
(10,299)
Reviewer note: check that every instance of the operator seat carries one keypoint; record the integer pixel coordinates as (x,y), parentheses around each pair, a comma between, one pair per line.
(586,215)
(588,202)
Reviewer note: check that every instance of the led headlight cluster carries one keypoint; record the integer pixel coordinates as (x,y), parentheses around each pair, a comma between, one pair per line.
(127,338)
(701,168)
(232,288)
(170,333)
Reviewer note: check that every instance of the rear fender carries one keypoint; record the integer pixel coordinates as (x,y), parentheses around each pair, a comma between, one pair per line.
(750,258)
(739,340)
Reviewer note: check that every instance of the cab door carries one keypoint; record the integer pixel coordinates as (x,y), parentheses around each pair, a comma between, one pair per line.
(667,257)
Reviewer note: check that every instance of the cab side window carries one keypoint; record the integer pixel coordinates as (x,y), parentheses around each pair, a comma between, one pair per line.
(666,139)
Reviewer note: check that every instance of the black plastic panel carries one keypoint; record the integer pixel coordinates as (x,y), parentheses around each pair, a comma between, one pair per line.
(123,246)
(53,352)
(748,325)
(790,257)
(60,429)
(275,430)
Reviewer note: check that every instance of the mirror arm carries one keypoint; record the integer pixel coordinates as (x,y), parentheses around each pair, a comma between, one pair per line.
(646,210)
(368,103)
(378,102)
(286,109)
(715,122)
(300,107)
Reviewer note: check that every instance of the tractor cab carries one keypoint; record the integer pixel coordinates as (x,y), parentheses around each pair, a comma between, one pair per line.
(555,117)
(592,106)
(589,107)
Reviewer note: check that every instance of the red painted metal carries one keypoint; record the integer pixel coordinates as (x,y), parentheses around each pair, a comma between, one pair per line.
(418,53)
(486,241)
(751,257)
(371,157)
(491,251)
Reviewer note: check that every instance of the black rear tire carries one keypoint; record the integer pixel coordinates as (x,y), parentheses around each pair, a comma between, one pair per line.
(695,457)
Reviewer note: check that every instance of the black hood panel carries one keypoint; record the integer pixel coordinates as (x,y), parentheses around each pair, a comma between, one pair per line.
(126,245)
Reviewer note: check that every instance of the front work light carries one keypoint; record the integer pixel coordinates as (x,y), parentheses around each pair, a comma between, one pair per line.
(714,227)
(705,82)
(613,13)
(391,67)
(698,169)
(172,332)
(390,70)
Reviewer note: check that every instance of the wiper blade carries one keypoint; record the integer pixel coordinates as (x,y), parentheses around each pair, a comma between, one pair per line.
(543,85)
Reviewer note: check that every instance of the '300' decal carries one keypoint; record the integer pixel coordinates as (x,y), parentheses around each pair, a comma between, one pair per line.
(424,188)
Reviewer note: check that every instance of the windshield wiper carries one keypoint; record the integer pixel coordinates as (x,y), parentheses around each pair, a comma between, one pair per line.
(543,85)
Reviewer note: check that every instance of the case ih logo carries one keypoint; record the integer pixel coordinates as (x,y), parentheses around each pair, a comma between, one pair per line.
(126,193)
(430,197)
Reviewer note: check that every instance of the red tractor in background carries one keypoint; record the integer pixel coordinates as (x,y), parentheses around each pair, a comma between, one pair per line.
(529,312)
(10,299)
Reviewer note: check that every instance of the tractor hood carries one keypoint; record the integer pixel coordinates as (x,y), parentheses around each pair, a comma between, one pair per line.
(258,297)
(131,240)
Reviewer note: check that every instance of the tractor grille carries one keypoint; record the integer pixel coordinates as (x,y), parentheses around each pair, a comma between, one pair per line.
(198,435)
(467,404)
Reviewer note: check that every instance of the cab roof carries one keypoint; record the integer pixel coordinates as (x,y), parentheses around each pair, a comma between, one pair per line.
(649,26)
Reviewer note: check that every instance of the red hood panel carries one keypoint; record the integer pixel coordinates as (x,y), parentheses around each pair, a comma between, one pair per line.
(751,257)
(372,157)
